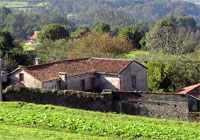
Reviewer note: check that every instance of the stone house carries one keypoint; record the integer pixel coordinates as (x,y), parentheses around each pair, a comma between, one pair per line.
(85,74)
(193,90)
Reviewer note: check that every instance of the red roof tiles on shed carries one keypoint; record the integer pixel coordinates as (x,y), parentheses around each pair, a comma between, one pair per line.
(50,71)
(33,37)
(186,90)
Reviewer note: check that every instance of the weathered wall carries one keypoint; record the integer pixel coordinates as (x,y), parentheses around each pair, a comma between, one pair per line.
(67,98)
(29,81)
(166,106)
(54,84)
(141,78)
(106,81)
(74,83)
(195,92)
(101,82)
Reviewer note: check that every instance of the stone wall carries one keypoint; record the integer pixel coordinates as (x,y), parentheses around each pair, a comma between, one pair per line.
(67,98)
(168,106)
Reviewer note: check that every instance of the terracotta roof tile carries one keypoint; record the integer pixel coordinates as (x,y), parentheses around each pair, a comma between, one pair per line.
(50,71)
(33,37)
(186,90)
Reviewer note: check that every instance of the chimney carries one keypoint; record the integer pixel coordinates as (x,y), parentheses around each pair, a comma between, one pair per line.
(63,76)
(36,61)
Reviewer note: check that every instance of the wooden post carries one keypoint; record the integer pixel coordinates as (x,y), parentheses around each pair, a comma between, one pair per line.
(1,98)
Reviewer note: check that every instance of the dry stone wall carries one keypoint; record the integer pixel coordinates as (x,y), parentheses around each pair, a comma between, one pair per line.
(168,106)
(67,98)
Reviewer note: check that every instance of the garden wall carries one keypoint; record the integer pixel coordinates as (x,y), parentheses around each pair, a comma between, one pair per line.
(67,98)
(168,106)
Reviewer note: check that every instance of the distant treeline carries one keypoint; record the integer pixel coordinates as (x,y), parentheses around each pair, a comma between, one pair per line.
(117,12)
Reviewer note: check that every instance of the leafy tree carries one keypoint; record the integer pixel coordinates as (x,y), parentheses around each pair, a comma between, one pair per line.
(100,45)
(103,27)
(176,35)
(53,32)
(4,12)
(81,31)
(50,51)
(6,42)
(158,78)
(189,46)
(197,48)
(161,36)
(169,72)
(12,52)
(133,34)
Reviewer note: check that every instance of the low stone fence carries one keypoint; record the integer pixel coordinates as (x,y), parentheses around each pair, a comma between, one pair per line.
(67,98)
(168,106)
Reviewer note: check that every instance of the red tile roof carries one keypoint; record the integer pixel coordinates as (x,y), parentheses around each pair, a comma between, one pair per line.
(33,37)
(50,71)
(186,90)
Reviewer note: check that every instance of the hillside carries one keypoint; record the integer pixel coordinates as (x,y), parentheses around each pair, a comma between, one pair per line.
(29,121)
(110,11)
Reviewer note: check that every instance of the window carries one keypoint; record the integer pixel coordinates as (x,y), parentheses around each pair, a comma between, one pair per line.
(21,77)
(83,85)
(134,81)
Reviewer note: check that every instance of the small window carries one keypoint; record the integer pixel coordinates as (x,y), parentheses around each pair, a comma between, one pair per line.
(134,81)
(21,77)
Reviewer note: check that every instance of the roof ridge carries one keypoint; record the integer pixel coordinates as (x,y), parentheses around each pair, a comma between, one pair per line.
(187,89)
(99,58)
(55,62)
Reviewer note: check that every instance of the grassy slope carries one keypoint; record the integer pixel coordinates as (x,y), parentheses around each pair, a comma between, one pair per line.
(30,121)
(16,132)
(133,54)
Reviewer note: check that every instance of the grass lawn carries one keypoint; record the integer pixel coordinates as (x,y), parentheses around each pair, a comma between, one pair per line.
(133,54)
(28,47)
(17,132)
(29,121)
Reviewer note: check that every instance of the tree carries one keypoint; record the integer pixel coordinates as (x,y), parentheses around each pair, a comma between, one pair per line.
(53,32)
(81,31)
(6,41)
(161,37)
(50,51)
(189,46)
(173,35)
(133,34)
(4,12)
(100,45)
(12,52)
(103,27)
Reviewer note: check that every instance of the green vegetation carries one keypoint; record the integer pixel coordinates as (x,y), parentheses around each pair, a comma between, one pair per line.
(114,12)
(17,132)
(20,4)
(46,122)
(134,54)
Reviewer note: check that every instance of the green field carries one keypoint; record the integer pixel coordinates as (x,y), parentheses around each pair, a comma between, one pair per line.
(133,54)
(19,4)
(29,121)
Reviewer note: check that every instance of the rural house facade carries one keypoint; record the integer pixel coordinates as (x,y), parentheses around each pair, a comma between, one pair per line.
(85,74)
